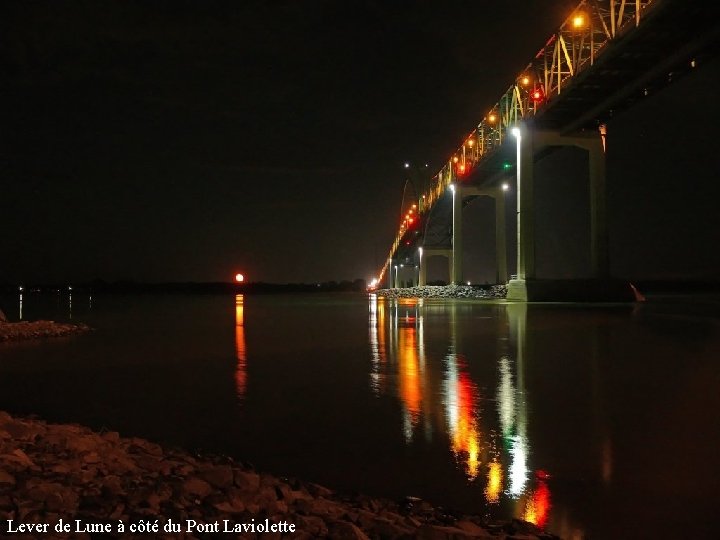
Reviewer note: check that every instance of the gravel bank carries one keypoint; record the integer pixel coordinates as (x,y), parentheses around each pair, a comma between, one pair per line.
(445,291)
(52,472)
(38,329)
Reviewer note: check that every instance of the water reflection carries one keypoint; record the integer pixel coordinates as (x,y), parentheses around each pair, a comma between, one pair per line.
(240,351)
(377,342)
(462,410)
(490,448)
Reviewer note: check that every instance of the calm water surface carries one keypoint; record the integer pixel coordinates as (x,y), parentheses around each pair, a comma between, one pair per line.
(593,421)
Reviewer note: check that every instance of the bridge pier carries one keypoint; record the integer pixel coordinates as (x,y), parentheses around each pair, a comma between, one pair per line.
(425,254)
(529,142)
(498,195)
(456,272)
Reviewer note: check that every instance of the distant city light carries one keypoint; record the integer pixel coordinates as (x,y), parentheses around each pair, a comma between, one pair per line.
(239,278)
(515,131)
(505,186)
(452,188)
(407,165)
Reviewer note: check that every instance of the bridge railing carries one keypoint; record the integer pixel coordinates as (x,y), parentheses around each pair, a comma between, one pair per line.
(574,47)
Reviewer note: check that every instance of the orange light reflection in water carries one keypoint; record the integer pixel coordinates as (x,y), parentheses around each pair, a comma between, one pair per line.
(410,385)
(465,432)
(240,351)
(537,507)
(494,482)
(377,343)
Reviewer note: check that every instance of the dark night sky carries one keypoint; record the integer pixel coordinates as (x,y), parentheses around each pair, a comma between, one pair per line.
(181,140)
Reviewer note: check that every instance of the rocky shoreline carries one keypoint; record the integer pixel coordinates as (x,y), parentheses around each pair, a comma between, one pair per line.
(446,291)
(85,482)
(14,331)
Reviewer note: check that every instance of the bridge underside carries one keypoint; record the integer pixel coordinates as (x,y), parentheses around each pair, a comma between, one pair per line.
(675,36)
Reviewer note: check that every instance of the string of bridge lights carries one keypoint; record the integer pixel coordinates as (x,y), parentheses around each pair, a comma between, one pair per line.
(536,94)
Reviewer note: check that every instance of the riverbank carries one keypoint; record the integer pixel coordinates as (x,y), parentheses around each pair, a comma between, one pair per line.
(51,472)
(446,291)
(15,331)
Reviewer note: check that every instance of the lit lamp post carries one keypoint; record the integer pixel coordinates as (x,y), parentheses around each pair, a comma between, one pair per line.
(524,186)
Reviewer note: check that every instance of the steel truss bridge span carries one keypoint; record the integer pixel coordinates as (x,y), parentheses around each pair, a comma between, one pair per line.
(604,57)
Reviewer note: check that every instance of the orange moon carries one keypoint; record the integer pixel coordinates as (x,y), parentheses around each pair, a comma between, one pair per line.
(239,278)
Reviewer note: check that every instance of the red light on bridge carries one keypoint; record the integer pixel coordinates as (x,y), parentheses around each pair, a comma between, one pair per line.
(537,95)
(461,169)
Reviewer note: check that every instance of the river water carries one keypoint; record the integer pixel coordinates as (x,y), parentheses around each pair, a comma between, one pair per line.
(592,421)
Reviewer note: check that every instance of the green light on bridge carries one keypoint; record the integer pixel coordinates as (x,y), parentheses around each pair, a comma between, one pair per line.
(507,166)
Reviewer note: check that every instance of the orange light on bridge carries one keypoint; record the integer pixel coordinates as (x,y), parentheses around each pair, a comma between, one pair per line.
(578,21)
(492,117)
(471,143)
(239,278)
(455,159)
(525,80)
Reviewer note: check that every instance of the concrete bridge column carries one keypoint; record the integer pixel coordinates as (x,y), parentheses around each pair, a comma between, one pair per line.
(390,277)
(525,206)
(498,195)
(528,143)
(500,244)
(430,252)
(517,288)
(422,268)
(599,256)
(456,268)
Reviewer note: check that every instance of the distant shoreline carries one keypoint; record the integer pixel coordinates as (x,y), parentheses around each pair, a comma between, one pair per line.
(645,286)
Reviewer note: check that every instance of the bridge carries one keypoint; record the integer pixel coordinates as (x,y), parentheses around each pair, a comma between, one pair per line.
(606,56)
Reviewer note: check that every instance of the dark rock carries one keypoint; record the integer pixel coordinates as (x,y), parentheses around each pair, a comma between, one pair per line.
(344,530)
